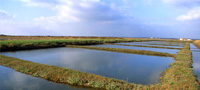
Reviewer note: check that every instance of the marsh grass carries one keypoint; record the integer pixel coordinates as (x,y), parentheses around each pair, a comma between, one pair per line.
(14,45)
(36,44)
(179,76)
(197,43)
(131,51)
(147,46)
(168,44)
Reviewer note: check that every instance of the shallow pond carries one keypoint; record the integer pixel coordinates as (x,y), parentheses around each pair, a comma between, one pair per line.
(12,80)
(138,69)
(171,51)
(196,60)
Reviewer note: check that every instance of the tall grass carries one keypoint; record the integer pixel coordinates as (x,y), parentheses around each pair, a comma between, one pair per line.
(197,43)
(36,44)
(147,46)
(131,51)
(179,76)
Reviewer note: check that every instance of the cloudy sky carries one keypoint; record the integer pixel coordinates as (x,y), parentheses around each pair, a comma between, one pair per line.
(122,18)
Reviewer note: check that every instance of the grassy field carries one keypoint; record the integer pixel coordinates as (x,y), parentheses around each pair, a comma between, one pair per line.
(179,76)
(13,43)
(36,44)
(197,43)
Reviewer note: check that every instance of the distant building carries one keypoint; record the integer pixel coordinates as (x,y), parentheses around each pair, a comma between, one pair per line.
(185,39)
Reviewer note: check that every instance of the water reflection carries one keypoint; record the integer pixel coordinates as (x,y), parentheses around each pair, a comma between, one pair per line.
(172,51)
(196,60)
(139,69)
(12,80)
(155,43)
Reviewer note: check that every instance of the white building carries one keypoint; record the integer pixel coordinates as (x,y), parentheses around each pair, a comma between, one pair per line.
(185,39)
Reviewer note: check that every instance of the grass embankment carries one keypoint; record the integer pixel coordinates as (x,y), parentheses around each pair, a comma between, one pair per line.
(159,44)
(180,75)
(37,44)
(147,46)
(197,43)
(68,76)
(131,51)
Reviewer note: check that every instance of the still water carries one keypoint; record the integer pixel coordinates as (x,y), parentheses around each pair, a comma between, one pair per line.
(138,69)
(171,51)
(196,60)
(12,80)
(156,43)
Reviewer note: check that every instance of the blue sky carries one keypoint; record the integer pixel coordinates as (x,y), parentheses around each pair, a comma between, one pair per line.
(121,18)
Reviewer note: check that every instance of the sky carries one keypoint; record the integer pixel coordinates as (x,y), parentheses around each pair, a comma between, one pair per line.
(116,18)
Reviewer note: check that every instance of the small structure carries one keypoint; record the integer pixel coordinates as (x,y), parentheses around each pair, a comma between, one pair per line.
(185,39)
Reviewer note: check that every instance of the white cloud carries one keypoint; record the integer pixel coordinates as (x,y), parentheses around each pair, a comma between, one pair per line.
(4,15)
(83,10)
(74,17)
(194,14)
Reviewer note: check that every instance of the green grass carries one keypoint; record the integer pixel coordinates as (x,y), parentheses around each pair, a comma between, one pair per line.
(164,44)
(147,46)
(197,43)
(35,44)
(131,51)
(179,76)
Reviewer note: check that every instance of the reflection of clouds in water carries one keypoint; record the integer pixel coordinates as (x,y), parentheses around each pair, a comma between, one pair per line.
(137,68)
(12,80)
(196,65)
(87,60)
(22,82)
(151,68)
(153,78)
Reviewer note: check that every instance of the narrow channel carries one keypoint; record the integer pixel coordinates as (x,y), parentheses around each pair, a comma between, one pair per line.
(196,60)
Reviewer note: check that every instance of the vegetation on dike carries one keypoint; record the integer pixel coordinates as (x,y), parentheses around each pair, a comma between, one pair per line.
(162,44)
(197,43)
(131,51)
(179,76)
(36,44)
(147,46)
